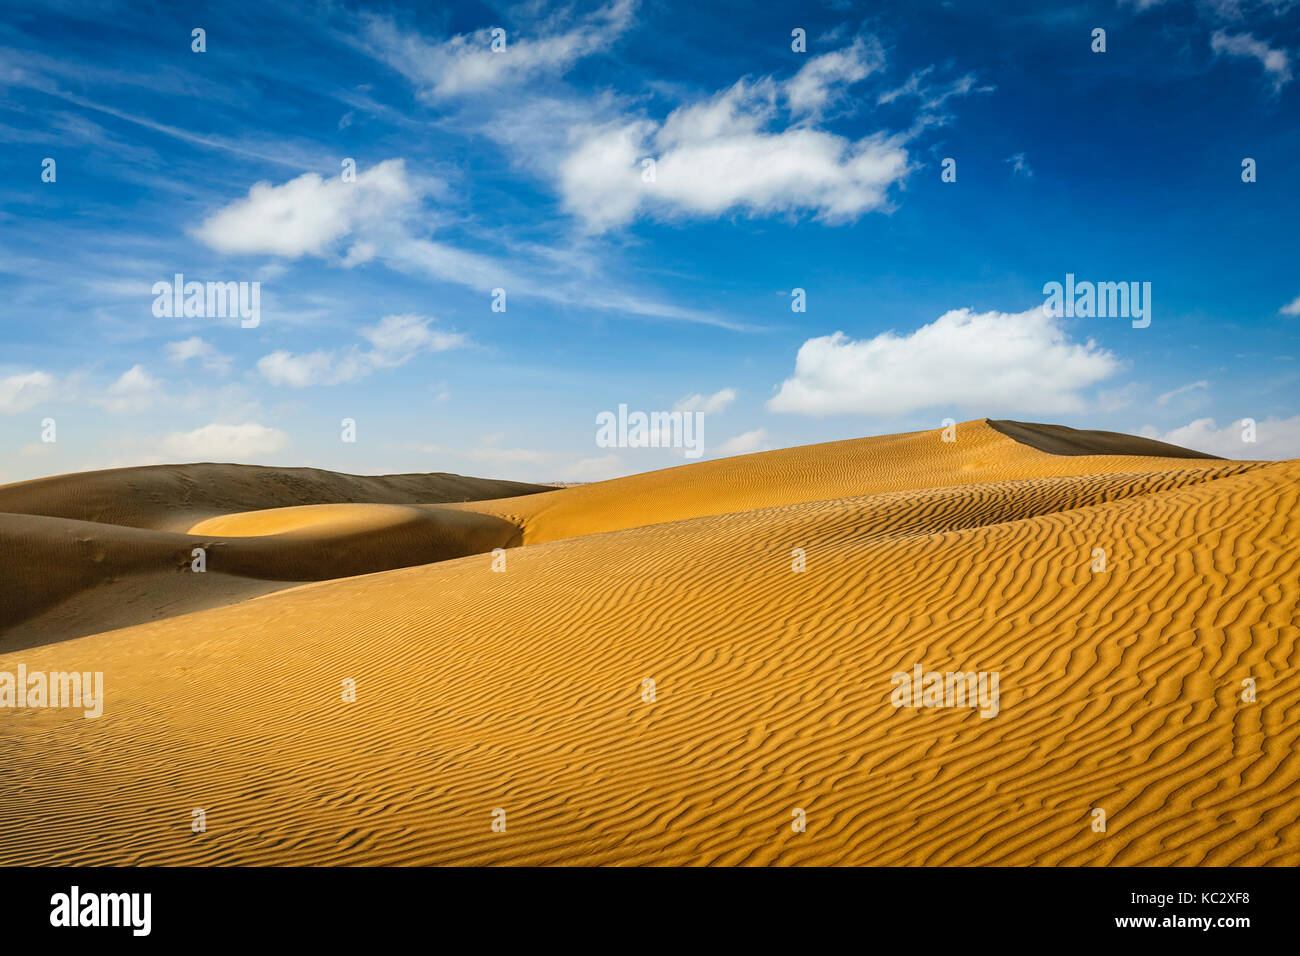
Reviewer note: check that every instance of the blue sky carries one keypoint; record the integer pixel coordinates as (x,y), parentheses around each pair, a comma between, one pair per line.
(522,170)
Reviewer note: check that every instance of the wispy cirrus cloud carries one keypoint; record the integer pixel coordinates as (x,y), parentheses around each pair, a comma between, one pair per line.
(1170,395)
(468,63)
(394,341)
(1276,62)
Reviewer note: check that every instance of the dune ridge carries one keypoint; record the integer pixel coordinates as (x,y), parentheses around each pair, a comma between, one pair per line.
(522,689)
(904,462)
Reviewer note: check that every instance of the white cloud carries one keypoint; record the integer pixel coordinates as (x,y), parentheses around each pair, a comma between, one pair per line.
(1275,62)
(722,154)
(931,98)
(301,370)
(986,362)
(399,337)
(134,391)
(395,341)
(1181,390)
(743,444)
(912,87)
(1291,308)
(20,392)
(823,78)
(1275,438)
(467,63)
(226,442)
(195,348)
(709,404)
(309,215)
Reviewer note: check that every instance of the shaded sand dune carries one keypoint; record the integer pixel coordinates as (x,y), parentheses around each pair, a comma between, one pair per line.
(174,497)
(1060,440)
(523,690)
(66,576)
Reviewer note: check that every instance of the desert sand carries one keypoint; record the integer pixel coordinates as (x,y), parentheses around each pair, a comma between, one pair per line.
(503,712)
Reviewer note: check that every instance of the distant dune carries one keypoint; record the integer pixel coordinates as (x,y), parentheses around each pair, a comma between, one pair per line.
(174,497)
(105,549)
(1126,593)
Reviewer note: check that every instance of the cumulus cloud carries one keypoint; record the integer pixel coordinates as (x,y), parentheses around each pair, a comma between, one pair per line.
(1276,63)
(985,362)
(467,63)
(743,444)
(225,442)
(373,218)
(394,341)
(195,348)
(1275,438)
(134,391)
(709,404)
(20,392)
(729,152)
(1292,307)
(310,215)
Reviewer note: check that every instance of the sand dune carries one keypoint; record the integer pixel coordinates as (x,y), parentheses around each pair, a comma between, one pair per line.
(904,462)
(1060,440)
(68,576)
(174,497)
(523,690)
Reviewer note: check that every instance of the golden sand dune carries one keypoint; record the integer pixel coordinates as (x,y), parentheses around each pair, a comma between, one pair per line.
(981,451)
(1122,602)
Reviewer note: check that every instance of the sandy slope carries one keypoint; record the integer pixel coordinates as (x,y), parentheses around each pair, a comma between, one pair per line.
(980,452)
(522,689)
